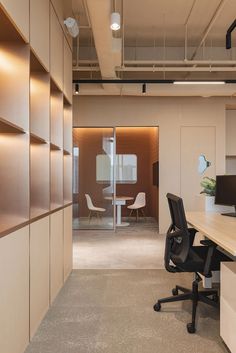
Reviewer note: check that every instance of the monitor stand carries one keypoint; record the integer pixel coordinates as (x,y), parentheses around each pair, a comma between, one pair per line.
(230,214)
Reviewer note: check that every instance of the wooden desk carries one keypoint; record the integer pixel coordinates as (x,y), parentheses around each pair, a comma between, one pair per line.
(218,228)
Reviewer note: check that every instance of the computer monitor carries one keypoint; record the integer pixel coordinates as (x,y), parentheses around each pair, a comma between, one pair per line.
(226,192)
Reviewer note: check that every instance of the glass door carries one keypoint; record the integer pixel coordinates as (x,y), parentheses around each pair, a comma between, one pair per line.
(93,178)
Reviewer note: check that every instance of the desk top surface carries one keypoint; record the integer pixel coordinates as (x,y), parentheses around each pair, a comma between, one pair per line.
(218,228)
(119,198)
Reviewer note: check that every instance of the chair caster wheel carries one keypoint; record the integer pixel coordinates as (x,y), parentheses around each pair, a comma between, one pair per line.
(191,328)
(175,291)
(157,307)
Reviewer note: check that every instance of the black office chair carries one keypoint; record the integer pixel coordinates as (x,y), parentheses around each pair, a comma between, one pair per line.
(182,256)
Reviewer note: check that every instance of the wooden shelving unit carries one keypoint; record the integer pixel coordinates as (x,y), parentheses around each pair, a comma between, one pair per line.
(67,122)
(39,99)
(35,134)
(56,199)
(39,177)
(56,109)
(14,177)
(67,179)
(35,251)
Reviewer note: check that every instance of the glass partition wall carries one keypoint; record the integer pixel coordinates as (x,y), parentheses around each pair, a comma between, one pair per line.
(93,178)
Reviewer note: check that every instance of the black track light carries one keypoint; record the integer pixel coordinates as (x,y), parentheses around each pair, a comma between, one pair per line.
(144,88)
(76,88)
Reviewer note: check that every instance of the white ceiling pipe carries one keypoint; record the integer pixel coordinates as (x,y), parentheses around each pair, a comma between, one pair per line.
(159,69)
(180,62)
(168,62)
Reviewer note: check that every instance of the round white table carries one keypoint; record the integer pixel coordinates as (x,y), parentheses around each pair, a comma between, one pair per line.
(120,201)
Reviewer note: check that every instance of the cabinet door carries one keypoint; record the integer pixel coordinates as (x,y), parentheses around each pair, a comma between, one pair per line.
(39,35)
(195,141)
(56,49)
(19,13)
(14,293)
(67,241)
(56,253)
(39,272)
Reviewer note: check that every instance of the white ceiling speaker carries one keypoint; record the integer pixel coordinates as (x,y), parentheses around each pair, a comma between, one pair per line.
(115,21)
(72,26)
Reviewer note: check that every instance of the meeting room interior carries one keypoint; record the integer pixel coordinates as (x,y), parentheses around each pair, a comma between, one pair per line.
(117,176)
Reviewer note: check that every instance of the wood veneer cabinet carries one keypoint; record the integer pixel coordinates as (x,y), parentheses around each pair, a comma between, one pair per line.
(67,141)
(35,172)
(56,49)
(56,104)
(19,12)
(39,99)
(39,35)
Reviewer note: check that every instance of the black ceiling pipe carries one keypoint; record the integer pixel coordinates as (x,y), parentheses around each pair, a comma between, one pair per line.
(112,81)
(228,35)
(115,81)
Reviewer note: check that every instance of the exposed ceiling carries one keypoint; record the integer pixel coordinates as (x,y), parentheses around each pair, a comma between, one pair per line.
(159,39)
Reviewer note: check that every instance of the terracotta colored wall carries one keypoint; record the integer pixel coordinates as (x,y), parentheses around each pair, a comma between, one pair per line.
(140,141)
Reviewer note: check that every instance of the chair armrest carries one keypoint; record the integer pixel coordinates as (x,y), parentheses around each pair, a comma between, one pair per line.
(169,241)
(211,248)
(192,233)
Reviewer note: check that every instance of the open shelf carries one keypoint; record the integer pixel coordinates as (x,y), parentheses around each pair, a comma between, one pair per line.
(54,147)
(56,104)
(67,127)
(8,31)
(67,180)
(56,195)
(14,179)
(39,99)
(14,83)
(8,127)
(39,177)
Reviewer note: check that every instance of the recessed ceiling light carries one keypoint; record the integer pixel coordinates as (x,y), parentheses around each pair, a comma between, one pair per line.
(199,82)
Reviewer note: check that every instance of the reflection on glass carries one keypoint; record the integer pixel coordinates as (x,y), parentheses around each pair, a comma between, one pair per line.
(126,168)
(203,164)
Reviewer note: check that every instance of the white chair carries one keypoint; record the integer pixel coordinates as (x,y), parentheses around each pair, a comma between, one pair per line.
(139,204)
(93,209)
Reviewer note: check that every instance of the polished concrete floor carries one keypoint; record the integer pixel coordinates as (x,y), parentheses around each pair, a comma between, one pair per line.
(106,305)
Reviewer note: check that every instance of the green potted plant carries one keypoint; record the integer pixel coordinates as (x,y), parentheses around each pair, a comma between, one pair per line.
(209,189)
(209,186)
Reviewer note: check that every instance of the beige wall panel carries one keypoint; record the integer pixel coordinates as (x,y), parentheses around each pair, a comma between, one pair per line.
(167,113)
(228,305)
(67,241)
(14,293)
(231,132)
(14,83)
(67,71)
(19,12)
(195,141)
(56,49)
(39,34)
(56,253)
(39,272)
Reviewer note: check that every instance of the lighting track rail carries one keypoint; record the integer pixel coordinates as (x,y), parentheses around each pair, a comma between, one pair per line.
(148,81)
